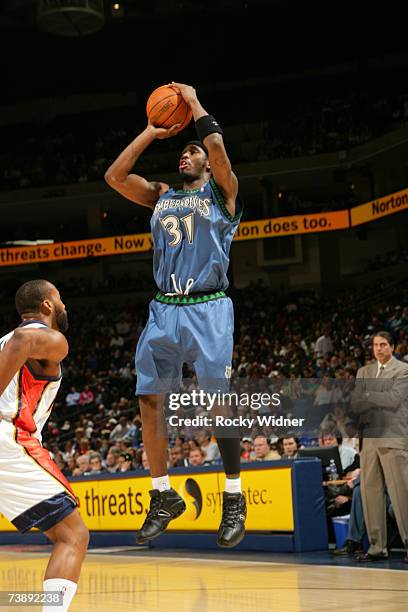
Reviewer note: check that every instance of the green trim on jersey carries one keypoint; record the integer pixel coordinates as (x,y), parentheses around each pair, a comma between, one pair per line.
(221,202)
(188,190)
(187,300)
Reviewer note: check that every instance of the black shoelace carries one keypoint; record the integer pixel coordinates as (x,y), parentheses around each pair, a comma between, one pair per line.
(231,512)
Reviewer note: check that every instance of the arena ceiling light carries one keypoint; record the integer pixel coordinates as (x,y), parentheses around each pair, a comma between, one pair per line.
(71,17)
(28,242)
(118,9)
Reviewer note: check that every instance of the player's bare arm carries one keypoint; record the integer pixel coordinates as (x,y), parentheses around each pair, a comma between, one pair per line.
(27,343)
(119,175)
(219,161)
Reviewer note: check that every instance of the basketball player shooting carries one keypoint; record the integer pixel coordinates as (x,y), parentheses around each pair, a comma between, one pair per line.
(33,491)
(191,318)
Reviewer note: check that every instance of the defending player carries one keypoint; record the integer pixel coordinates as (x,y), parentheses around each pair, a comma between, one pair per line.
(33,491)
(191,319)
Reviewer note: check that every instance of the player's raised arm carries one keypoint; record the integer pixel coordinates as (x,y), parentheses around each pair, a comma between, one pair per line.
(28,343)
(132,186)
(210,134)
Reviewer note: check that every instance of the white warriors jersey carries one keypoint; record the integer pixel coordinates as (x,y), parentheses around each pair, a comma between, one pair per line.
(28,399)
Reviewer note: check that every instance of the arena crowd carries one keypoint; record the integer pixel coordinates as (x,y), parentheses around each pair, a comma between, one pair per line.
(306,347)
(77,150)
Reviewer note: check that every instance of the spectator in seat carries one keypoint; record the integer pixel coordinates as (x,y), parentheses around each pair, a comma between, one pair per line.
(70,464)
(209,448)
(121,430)
(66,428)
(124,446)
(332,437)
(125,462)
(356,526)
(290,446)
(134,433)
(95,465)
(323,400)
(262,450)
(196,457)
(112,459)
(84,446)
(176,457)
(246,448)
(185,451)
(324,344)
(86,396)
(82,465)
(72,398)
(351,437)
(69,450)
(116,341)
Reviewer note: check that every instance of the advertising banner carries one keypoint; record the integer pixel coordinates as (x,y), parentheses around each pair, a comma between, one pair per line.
(275,227)
(78,249)
(139,243)
(381,207)
(121,504)
(293,225)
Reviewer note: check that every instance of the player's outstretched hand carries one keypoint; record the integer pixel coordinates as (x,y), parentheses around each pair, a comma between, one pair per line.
(187,91)
(162,133)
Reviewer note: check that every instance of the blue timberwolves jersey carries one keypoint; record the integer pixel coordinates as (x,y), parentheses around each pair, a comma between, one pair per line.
(192,233)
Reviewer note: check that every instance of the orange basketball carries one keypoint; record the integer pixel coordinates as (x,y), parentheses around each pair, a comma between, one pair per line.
(166,106)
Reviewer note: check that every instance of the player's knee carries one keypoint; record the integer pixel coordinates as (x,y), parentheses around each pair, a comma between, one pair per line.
(149,404)
(76,537)
(82,538)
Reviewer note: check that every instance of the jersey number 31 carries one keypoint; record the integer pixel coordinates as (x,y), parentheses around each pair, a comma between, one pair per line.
(171,224)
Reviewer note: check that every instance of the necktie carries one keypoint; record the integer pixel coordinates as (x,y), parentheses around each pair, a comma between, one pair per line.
(380,371)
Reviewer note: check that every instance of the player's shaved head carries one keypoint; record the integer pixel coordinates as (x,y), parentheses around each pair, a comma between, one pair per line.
(31,295)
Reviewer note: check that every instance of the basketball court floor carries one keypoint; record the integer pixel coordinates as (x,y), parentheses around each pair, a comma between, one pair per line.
(151,580)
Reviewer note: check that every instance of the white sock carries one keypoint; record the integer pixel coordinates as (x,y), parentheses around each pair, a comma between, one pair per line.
(162,483)
(60,584)
(233,485)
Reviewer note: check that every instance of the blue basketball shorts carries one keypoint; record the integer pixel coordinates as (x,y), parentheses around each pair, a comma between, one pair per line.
(200,335)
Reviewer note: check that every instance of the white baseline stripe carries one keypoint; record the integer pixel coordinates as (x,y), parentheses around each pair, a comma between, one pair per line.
(266,563)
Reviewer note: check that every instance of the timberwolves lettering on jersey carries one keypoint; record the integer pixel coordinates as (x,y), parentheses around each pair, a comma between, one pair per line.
(192,233)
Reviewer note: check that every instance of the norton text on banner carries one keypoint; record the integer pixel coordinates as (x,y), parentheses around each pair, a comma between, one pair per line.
(381,207)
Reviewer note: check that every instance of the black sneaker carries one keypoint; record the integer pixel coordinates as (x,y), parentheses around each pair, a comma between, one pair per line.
(232,527)
(350,548)
(164,507)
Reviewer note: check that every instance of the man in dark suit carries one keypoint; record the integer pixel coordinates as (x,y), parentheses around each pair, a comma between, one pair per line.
(176,457)
(381,399)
